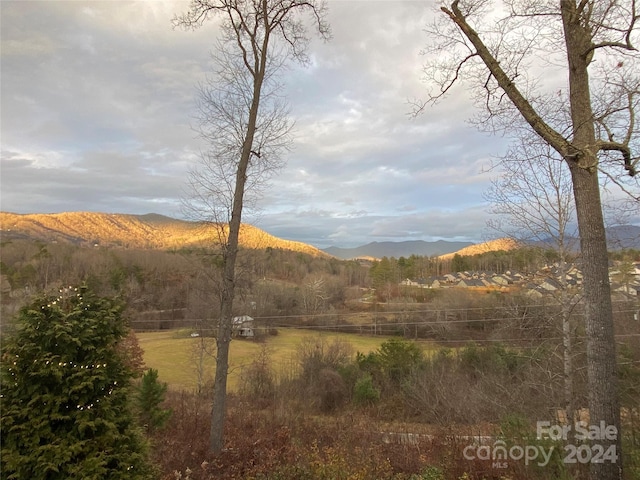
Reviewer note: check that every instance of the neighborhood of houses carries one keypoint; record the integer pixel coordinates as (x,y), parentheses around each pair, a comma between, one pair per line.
(544,282)
(624,286)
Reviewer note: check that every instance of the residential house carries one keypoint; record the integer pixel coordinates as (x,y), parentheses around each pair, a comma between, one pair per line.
(243,326)
(550,285)
(502,280)
(435,282)
(533,290)
(472,282)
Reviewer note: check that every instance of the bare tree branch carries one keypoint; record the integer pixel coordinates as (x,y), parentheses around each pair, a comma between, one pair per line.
(624,150)
(557,141)
(247,127)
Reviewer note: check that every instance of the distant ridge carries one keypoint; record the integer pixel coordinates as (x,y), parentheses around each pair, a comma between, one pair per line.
(490,246)
(623,236)
(150,231)
(397,249)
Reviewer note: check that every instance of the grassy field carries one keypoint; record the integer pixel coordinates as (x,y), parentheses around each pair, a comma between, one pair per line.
(175,354)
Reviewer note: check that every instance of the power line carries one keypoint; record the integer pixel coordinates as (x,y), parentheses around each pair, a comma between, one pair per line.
(425,322)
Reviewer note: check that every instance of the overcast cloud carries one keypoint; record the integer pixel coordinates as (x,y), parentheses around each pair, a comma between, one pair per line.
(98,97)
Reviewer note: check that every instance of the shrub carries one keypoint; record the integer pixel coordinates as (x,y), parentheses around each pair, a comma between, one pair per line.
(393,363)
(399,358)
(364,392)
(319,382)
(315,354)
(258,380)
(493,358)
(331,390)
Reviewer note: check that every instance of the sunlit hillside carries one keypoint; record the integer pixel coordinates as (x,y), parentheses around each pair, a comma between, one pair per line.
(491,246)
(134,231)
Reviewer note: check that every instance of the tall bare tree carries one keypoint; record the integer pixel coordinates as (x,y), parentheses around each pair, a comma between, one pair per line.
(243,121)
(594,131)
(532,197)
(532,201)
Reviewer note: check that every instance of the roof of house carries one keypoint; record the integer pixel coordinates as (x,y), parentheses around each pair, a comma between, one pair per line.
(241,319)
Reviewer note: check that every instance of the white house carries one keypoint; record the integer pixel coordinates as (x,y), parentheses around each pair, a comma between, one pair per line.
(243,326)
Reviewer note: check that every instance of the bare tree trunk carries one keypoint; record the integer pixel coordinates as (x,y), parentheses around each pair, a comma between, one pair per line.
(216,435)
(223,340)
(567,365)
(230,254)
(601,354)
(581,154)
(567,353)
(244,58)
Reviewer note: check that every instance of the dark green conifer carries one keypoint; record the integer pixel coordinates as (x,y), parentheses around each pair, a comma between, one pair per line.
(150,397)
(65,393)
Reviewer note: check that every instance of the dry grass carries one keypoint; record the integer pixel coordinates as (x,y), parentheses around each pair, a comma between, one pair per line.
(287,437)
(284,444)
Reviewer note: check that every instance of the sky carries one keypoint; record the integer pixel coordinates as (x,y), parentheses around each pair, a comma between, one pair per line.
(98,102)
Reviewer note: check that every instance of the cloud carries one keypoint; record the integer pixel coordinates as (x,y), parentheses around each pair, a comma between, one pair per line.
(324,228)
(98,98)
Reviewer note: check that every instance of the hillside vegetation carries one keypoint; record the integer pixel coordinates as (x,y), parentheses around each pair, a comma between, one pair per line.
(150,231)
(154,231)
(349,365)
(504,244)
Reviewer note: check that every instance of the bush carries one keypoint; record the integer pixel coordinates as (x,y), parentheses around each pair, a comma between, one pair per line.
(331,390)
(65,393)
(399,358)
(364,392)
(320,384)
(258,380)
(315,354)
(393,363)
(493,358)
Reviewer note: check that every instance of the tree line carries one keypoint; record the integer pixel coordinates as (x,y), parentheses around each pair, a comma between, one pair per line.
(273,281)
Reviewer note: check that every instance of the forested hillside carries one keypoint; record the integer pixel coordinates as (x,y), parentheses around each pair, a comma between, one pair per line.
(181,283)
(133,231)
(167,288)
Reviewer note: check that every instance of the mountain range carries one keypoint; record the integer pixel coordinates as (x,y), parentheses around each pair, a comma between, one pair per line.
(623,236)
(398,249)
(156,231)
(150,231)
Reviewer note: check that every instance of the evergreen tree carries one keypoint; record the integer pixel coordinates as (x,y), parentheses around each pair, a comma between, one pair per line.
(65,393)
(150,395)
(399,358)
(460,263)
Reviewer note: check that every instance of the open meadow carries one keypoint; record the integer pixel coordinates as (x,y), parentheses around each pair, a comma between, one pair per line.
(175,354)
